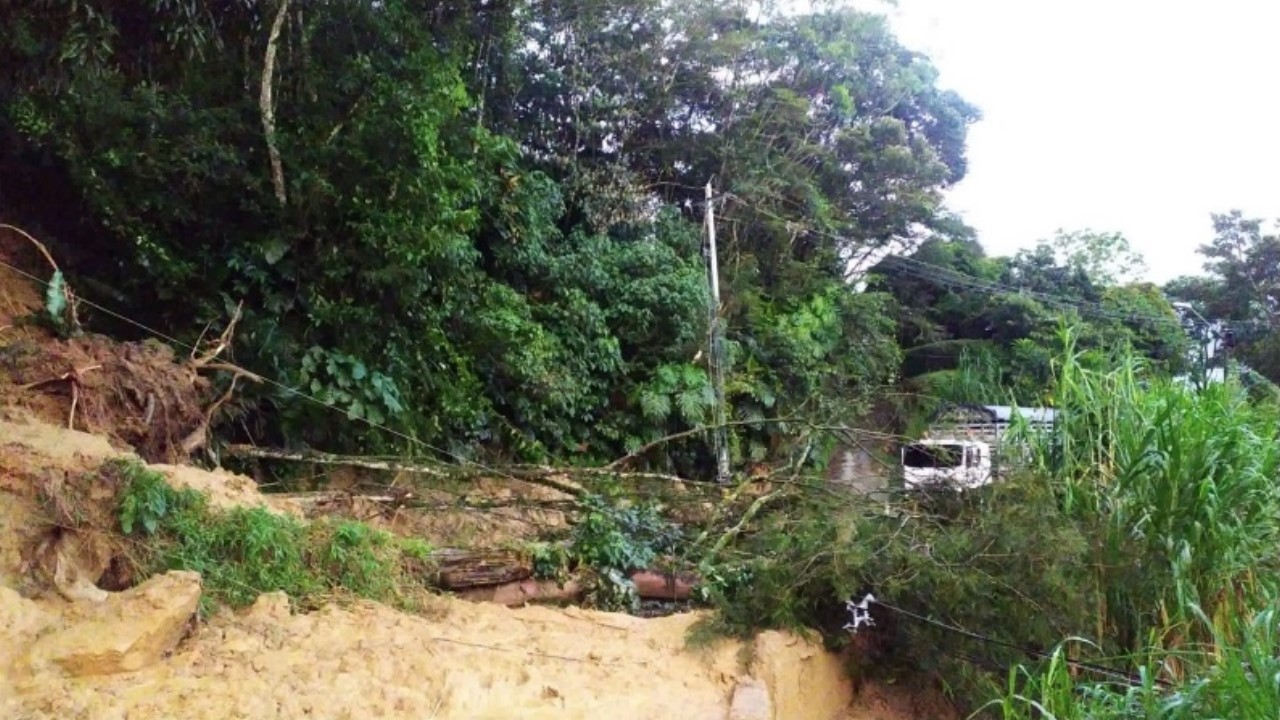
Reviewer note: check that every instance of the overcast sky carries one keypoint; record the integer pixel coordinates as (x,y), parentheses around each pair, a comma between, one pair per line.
(1137,116)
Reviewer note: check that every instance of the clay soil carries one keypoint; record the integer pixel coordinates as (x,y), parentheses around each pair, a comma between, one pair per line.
(138,395)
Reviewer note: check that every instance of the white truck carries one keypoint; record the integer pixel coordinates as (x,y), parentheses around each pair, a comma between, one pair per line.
(959,464)
(965,446)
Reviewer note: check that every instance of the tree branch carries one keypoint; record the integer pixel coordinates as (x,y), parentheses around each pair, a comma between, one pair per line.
(38,245)
(267,104)
(556,478)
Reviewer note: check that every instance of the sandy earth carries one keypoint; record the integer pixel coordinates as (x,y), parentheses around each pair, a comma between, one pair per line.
(476,661)
(472,661)
(457,660)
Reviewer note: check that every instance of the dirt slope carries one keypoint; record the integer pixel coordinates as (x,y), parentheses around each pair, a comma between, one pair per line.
(459,660)
(472,661)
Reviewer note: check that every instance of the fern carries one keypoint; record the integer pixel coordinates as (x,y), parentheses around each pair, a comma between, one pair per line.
(692,406)
(655,406)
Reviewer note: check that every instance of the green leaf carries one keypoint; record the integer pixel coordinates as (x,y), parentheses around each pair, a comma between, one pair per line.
(355,410)
(273,250)
(654,406)
(55,299)
(691,406)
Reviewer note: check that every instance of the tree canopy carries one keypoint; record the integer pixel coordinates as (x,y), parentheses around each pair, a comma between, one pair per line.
(480,226)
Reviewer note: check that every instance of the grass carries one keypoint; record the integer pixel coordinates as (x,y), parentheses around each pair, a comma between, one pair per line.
(1147,523)
(244,552)
(1184,486)
(1237,679)
(1181,485)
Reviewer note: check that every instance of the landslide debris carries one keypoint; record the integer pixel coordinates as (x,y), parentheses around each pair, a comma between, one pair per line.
(143,653)
(136,394)
(80,637)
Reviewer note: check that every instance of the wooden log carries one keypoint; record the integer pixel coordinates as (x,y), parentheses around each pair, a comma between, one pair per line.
(650,585)
(655,585)
(462,569)
(515,594)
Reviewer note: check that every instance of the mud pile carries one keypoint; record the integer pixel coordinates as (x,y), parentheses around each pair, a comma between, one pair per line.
(139,395)
(140,653)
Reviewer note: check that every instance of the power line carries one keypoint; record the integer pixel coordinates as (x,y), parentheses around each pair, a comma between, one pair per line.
(955,278)
(1127,677)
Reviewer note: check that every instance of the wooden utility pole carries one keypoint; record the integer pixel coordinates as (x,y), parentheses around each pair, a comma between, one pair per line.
(716,356)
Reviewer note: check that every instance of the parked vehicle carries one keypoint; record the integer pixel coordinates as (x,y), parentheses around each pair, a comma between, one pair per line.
(959,464)
(966,446)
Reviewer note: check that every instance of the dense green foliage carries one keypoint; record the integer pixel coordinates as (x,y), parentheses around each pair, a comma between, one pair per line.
(969,324)
(612,538)
(483,227)
(1146,524)
(1240,296)
(476,230)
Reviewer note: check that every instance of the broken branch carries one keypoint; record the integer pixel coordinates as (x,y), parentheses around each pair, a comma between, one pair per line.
(222,343)
(57,272)
(39,245)
(72,375)
(199,436)
(536,475)
(329,459)
(75,399)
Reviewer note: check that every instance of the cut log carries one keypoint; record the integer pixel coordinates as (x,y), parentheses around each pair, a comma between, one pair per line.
(461,569)
(515,594)
(650,585)
(655,585)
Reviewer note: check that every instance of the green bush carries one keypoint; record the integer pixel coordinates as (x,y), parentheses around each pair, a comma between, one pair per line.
(611,540)
(244,552)
(1002,562)
(1147,523)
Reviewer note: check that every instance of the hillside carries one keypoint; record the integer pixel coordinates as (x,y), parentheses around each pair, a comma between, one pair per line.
(141,649)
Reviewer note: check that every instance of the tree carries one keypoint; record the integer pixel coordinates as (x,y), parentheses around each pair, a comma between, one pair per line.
(1241,290)
(1105,258)
(478,225)
(972,325)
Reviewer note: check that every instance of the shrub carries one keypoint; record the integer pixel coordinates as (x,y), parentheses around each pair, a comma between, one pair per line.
(1004,563)
(244,552)
(611,539)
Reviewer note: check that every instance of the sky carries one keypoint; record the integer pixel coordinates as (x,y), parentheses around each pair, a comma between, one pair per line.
(1134,116)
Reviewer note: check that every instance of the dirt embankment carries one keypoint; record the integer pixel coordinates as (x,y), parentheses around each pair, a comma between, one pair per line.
(69,649)
(139,653)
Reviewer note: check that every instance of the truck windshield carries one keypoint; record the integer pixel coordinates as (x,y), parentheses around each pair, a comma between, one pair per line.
(933,456)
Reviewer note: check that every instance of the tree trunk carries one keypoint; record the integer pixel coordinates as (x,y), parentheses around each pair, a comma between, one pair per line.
(461,569)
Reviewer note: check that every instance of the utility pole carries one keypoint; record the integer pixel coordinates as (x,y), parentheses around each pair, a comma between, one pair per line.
(1206,343)
(720,439)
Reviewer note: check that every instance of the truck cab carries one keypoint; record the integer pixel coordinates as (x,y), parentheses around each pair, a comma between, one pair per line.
(946,463)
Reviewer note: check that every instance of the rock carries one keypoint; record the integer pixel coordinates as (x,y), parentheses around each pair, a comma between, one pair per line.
(270,607)
(750,701)
(74,565)
(129,631)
